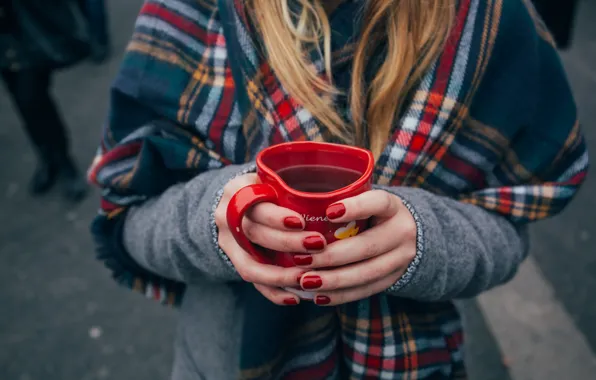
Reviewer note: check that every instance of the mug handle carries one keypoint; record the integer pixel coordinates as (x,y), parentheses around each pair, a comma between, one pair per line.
(241,202)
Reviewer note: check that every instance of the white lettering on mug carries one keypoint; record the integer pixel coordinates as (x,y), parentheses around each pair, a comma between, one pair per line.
(310,218)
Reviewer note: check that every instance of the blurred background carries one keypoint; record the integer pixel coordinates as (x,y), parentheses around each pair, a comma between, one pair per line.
(63,318)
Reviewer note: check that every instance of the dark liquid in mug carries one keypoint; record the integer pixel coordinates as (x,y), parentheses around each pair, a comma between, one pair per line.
(318,178)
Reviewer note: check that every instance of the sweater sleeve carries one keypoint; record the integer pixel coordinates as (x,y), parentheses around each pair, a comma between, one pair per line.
(174,235)
(462,249)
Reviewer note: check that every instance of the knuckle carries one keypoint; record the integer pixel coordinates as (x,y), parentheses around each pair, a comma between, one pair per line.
(259,210)
(277,278)
(357,204)
(276,300)
(235,184)
(410,255)
(246,274)
(247,178)
(325,260)
(286,243)
(375,273)
(290,279)
(249,231)
(371,249)
(229,189)
(267,293)
(410,229)
(331,282)
(220,218)
(263,213)
(263,290)
(387,200)
(222,242)
(272,218)
(389,281)
(337,299)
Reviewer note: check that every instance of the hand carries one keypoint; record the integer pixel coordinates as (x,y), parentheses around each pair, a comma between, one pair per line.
(368,263)
(272,227)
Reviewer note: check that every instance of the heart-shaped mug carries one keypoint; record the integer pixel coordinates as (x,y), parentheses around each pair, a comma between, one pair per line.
(306,177)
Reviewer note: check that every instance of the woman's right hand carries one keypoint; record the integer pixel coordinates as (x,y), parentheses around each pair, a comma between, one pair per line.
(272,227)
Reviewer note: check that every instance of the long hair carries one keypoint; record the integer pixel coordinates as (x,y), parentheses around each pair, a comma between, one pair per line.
(414,32)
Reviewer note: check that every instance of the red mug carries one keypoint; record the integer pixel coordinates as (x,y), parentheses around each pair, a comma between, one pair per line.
(306,177)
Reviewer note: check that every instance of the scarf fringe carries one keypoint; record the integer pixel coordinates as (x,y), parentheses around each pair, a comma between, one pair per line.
(124,270)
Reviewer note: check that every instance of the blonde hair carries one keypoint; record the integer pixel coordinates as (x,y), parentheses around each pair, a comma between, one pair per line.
(415,32)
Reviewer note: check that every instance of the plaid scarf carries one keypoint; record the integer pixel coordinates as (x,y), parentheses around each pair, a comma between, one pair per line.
(492,123)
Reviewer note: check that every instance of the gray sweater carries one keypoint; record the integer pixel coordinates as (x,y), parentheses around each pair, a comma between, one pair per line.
(463,250)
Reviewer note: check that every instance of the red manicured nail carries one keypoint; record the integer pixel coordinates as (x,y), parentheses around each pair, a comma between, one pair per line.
(293,223)
(290,301)
(311,282)
(314,243)
(302,260)
(322,300)
(336,211)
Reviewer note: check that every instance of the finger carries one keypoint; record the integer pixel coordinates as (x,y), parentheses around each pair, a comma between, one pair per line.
(239,182)
(360,274)
(236,184)
(229,190)
(278,296)
(343,296)
(377,203)
(277,217)
(253,271)
(283,241)
(371,243)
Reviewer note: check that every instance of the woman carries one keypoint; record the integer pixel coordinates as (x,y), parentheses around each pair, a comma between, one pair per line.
(96,15)
(464,104)
(27,71)
(559,18)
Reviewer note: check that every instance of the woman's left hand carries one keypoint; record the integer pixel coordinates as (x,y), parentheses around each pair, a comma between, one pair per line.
(368,263)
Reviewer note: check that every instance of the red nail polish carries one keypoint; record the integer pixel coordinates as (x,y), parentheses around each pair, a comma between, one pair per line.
(314,243)
(302,260)
(290,301)
(293,223)
(336,211)
(322,300)
(311,282)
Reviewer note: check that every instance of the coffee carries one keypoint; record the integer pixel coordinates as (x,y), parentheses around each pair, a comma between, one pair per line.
(318,178)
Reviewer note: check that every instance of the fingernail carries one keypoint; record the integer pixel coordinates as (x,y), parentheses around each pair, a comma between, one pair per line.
(314,243)
(290,301)
(336,211)
(299,279)
(322,300)
(293,223)
(311,282)
(302,260)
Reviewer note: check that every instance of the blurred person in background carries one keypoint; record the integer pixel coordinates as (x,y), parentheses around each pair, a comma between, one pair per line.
(467,109)
(96,14)
(559,17)
(36,40)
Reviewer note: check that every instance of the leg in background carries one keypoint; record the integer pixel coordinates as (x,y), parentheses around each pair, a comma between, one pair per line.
(96,14)
(559,17)
(30,91)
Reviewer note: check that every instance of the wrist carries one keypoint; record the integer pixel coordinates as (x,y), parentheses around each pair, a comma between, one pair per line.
(245,169)
(412,267)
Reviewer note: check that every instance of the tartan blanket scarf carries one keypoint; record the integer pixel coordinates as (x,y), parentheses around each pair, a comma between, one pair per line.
(492,123)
